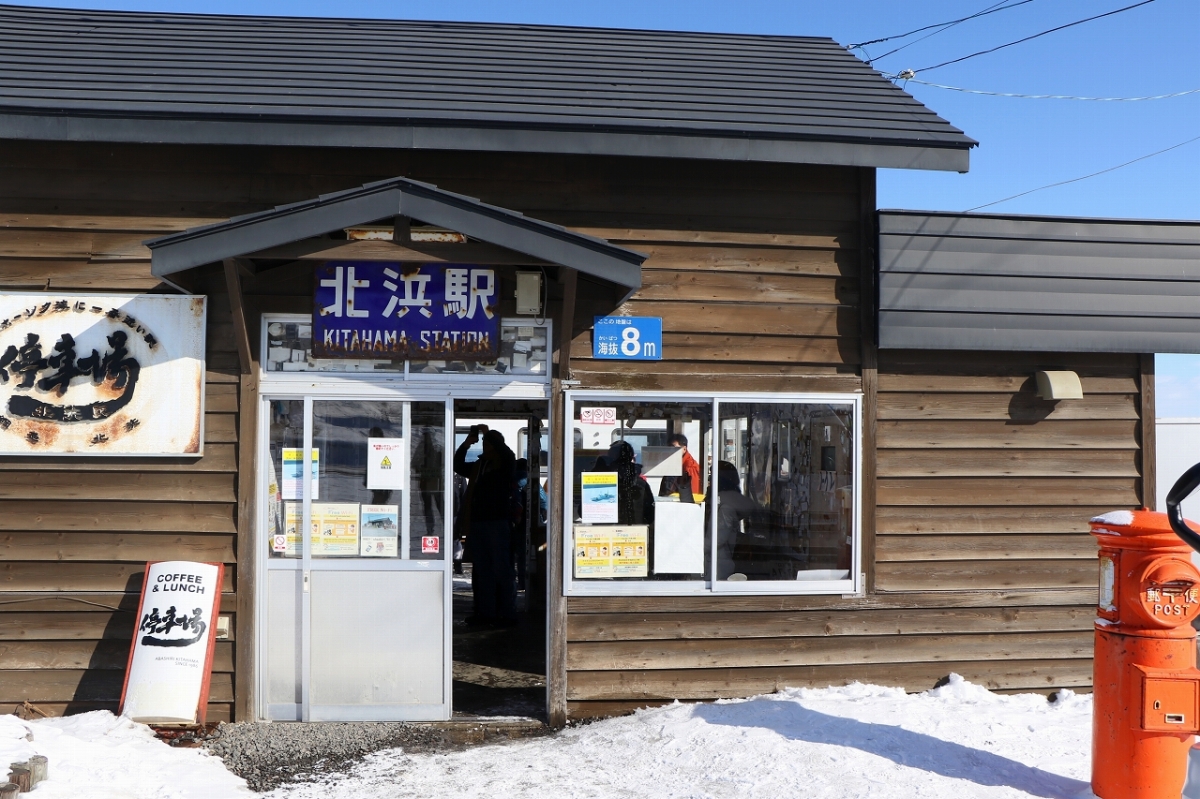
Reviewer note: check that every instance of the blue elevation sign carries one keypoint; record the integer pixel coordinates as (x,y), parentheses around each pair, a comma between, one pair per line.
(627,338)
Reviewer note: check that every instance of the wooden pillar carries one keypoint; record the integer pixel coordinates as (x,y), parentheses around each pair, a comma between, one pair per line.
(1149,434)
(867,292)
(244,629)
(556,657)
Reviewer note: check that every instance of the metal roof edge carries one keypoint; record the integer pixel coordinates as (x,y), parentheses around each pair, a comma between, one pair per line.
(928,155)
(1104,220)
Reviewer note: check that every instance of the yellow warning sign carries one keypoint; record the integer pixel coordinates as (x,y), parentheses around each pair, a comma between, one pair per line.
(386,463)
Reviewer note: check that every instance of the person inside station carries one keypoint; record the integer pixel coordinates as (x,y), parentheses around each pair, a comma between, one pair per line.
(521,518)
(487,506)
(687,485)
(635,502)
(733,507)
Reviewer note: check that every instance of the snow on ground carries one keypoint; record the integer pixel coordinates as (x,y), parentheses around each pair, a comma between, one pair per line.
(956,741)
(100,756)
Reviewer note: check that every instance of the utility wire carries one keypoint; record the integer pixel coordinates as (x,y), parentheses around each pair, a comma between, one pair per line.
(942,28)
(989,10)
(1026,39)
(1085,177)
(903,77)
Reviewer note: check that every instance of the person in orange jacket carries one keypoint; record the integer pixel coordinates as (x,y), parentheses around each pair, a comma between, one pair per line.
(688,484)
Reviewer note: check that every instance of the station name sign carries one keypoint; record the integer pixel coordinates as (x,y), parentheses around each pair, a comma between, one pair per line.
(406,311)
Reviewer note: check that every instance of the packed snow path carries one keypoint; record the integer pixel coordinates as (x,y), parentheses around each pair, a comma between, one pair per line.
(956,741)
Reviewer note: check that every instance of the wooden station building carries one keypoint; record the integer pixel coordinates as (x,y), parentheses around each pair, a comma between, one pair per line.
(884,495)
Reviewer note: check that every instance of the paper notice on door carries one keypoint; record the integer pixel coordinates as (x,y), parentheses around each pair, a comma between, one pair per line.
(599,491)
(607,551)
(380,531)
(385,464)
(287,543)
(335,528)
(293,475)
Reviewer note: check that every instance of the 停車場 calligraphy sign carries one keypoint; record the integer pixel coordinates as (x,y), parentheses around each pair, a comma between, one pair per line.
(101,374)
(398,311)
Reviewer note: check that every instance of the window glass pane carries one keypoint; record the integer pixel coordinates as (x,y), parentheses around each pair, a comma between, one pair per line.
(427,477)
(785,491)
(522,353)
(355,514)
(286,437)
(640,487)
(289,349)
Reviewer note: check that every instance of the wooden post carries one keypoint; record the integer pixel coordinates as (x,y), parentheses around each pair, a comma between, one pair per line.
(9,790)
(1149,434)
(556,666)
(20,775)
(38,769)
(870,367)
(244,697)
(233,283)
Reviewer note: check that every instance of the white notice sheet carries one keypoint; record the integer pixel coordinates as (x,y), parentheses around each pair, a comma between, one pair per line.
(678,538)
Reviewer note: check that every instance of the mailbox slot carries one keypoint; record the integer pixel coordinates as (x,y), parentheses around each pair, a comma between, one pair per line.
(1170,701)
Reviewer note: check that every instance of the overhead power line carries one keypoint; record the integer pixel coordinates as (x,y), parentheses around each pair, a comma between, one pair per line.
(903,76)
(989,10)
(942,28)
(1027,38)
(1085,177)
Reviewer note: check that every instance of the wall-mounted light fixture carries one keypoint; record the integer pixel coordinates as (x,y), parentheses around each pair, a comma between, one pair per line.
(1058,385)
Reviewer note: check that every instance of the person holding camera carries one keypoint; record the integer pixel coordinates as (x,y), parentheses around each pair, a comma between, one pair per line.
(488,505)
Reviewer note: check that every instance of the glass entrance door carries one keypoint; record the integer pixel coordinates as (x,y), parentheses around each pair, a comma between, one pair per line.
(355,617)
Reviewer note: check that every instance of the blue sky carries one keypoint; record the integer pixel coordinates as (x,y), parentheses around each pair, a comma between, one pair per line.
(1023,143)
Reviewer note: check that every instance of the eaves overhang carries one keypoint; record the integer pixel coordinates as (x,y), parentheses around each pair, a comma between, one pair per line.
(397,197)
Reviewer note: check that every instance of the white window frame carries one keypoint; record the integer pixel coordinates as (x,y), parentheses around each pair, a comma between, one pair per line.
(853,585)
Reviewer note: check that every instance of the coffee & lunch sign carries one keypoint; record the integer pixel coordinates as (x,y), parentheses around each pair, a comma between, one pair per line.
(101,374)
(401,311)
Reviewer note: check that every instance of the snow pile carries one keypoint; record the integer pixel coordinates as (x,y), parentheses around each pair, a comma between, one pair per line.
(1114,518)
(100,756)
(956,741)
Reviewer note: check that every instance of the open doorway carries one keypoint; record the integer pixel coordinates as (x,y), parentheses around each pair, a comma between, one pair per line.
(499,548)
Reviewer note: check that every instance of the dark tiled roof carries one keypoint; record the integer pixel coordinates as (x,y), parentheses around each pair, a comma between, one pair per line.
(136,76)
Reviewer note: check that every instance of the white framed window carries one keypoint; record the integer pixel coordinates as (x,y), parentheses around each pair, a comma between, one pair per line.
(699,493)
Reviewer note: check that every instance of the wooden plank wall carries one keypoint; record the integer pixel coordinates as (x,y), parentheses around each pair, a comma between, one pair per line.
(75,534)
(984,566)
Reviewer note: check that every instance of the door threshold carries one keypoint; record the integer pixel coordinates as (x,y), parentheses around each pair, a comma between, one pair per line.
(484,729)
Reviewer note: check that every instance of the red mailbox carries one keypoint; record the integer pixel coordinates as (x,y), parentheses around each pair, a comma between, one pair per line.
(1145,678)
(1147,687)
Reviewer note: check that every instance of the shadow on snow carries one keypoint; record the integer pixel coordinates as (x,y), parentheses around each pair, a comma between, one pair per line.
(903,747)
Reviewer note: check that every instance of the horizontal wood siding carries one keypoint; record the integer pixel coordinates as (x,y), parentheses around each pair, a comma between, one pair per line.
(75,534)
(982,562)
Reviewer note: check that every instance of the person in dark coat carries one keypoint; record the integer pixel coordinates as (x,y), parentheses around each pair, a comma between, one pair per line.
(488,504)
(635,503)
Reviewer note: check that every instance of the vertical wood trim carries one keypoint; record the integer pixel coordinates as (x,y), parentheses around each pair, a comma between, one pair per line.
(233,284)
(1149,434)
(556,666)
(870,366)
(247,552)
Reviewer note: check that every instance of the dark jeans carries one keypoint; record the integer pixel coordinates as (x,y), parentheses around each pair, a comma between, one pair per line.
(492,580)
